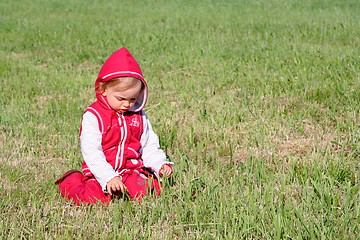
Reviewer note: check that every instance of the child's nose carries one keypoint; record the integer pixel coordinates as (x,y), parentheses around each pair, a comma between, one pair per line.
(126,103)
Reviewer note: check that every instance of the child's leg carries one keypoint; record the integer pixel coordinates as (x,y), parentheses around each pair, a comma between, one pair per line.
(138,185)
(78,188)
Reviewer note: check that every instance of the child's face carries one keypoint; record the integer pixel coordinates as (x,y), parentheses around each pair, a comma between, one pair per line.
(122,100)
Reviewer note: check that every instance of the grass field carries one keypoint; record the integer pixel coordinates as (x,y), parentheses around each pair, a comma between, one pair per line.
(257,103)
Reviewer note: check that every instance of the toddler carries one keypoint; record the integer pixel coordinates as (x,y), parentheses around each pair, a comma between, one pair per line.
(121,151)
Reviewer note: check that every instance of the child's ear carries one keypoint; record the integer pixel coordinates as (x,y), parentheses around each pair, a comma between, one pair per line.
(103,92)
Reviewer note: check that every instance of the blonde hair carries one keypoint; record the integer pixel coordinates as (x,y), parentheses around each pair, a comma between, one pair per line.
(128,82)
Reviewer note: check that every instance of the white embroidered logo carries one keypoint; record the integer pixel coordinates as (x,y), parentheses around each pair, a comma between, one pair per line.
(135,122)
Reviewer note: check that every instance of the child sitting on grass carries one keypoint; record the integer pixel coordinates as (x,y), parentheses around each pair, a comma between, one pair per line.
(120,150)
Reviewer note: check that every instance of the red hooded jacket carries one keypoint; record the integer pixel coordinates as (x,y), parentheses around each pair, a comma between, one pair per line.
(121,133)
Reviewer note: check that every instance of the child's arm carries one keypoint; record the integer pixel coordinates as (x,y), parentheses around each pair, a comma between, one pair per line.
(153,157)
(91,149)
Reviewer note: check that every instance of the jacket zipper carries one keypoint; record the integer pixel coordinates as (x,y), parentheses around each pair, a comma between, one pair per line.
(123,132)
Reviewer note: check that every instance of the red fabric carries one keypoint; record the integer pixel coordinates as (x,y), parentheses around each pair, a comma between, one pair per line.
(140,183)
(119,64)
(82,189)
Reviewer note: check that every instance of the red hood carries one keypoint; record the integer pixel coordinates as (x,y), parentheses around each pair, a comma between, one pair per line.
(122,64)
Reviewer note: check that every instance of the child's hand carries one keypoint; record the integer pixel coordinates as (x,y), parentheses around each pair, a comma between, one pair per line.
(115,186)
(166,170)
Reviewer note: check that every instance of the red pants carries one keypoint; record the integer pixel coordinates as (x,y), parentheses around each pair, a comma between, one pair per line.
(75,186)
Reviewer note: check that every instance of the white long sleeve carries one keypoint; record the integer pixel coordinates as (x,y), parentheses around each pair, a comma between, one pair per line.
(153,157)
(92,152)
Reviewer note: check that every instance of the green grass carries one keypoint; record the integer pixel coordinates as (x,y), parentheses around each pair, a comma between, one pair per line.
(257,103)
